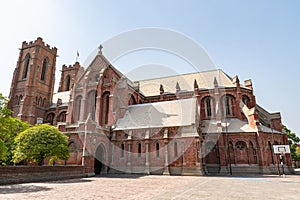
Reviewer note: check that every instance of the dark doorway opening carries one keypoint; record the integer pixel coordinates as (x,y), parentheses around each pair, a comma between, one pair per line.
(99,167)
(211,160)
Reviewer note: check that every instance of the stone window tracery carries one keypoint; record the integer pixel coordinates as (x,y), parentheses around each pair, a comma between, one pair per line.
(240,145)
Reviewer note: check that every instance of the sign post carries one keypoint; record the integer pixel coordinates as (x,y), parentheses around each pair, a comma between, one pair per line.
(281,156)
(281,150)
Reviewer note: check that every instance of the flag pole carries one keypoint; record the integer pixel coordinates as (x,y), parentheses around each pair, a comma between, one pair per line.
(77,55)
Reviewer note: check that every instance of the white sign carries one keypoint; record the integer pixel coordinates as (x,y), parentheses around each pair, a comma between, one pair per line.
(279,149)
(39,120)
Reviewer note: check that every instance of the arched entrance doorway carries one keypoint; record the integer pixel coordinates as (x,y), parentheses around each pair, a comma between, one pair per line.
(212,158)
(99,166)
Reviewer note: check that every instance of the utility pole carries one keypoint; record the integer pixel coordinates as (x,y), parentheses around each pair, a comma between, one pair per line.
(228,149)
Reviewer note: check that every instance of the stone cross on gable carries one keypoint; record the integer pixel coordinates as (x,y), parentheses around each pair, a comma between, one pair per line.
(100,49)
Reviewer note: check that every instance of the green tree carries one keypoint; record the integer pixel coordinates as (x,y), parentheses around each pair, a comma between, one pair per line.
(39,142)
(293,141)
(9,128)
(3,152)
(298,150)
(4,111)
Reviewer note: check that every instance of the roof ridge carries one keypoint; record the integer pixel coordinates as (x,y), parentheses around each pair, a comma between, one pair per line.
(163,77)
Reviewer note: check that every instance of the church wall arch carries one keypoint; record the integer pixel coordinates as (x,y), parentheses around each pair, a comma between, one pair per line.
(101,159)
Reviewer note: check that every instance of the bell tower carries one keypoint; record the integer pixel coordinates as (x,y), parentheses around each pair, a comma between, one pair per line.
(33,81)
(68,76)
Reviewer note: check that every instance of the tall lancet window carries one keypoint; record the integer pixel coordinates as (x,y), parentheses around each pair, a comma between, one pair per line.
(68,80)
(44,70)
(26,66)
(106,108)
(208,106)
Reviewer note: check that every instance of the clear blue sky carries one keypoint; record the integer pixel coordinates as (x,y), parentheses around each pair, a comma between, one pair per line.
(252,39)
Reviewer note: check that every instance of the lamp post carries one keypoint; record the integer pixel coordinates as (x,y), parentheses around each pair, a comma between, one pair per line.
(84,141)
(228,149)
(281,156)
(84,145)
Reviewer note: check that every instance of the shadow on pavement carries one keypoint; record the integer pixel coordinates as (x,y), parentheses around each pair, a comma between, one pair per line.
(75,180)
(11,189)
(133,176)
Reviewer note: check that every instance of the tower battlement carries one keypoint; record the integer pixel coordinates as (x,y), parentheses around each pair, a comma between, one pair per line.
(76,65)
(39,41)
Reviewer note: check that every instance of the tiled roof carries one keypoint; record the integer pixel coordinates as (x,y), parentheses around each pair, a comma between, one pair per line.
(234,125)
(159,114)
(64,96)
(204,79)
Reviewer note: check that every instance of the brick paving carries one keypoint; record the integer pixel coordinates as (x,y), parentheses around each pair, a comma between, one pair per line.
(159,187)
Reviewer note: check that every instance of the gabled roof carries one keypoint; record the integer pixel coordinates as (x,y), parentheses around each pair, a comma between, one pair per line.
(159,114)
(204,79)
(234,125)
(64,96)
(98,65)
(265,117)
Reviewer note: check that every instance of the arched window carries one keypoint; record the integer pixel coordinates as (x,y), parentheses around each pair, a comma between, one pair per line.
(157,149)
(62,116)
(50,118)
(131,100)
(73,147)
(175,150)
(246,100)
(208,107)
(91,105)
(26,66)
(139,150)
(77,108)
(228,105)
(44,70)
(68,80)
(105,106)
(122,150)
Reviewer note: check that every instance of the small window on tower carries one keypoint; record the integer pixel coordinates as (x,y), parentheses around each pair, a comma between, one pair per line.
(26,66)
(68,80)
(44,69)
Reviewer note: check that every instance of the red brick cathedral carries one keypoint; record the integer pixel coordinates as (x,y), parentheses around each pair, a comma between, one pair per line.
(191,124)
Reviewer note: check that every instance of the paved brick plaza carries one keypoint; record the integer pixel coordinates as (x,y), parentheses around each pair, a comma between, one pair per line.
(159,187)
